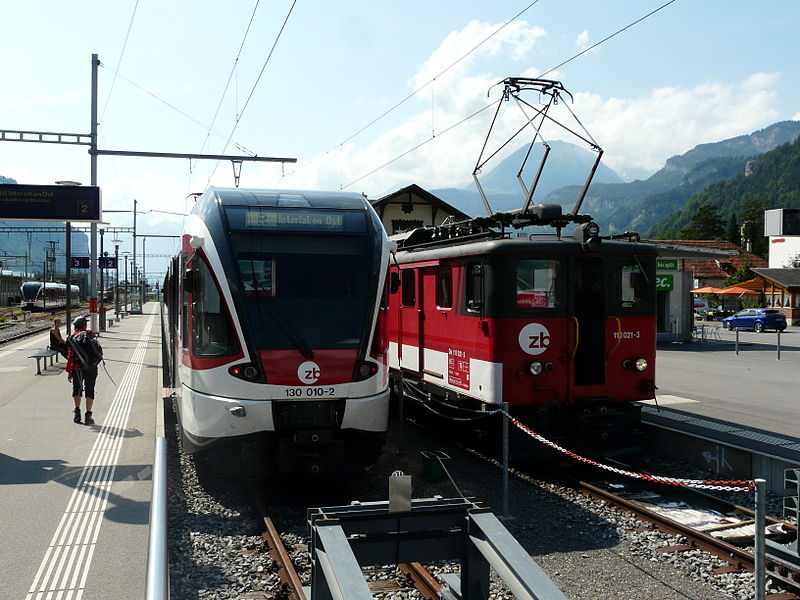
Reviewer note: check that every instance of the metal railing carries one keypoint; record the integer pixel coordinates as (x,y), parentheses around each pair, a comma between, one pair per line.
(157,578)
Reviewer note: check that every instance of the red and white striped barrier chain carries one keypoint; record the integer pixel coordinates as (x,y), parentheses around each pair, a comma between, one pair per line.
(702,484)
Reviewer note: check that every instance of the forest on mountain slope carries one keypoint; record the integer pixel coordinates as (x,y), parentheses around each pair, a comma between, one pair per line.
(773,182)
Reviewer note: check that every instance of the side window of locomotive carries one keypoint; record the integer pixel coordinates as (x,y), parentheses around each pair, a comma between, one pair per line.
(633,291)
(408,287)
(212,332)
(537,283)
(444,287)
(473,292)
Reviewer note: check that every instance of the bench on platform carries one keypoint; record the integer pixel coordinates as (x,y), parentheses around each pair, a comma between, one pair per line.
(44,353)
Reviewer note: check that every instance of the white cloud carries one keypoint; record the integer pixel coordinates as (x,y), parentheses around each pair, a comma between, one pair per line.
(582,41)
(427,146)
(643,132)
(640,132)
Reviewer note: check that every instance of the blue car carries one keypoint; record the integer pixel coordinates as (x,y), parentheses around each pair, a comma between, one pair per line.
(756,319)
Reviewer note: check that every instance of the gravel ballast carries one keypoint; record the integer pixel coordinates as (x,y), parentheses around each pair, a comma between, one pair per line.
(589,549)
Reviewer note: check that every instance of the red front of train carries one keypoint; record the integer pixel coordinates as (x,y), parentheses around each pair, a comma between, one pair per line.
(564,332)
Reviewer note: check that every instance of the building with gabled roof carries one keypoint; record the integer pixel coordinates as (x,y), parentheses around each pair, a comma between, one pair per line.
(412,207)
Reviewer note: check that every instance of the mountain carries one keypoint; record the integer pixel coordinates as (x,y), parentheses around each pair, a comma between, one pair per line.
(770,181)
(20,245)
(617,206)
(567,164)
(640,205)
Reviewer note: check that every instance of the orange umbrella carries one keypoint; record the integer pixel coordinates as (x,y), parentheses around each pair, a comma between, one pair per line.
(709,289)
(735,290)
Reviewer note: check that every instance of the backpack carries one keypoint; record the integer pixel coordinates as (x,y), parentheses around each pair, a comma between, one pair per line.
(86,348)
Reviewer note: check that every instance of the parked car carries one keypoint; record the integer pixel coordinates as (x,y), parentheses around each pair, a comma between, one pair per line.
(756,319)
(711,313)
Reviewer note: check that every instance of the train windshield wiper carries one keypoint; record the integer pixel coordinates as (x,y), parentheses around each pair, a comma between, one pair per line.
(279,317)
(288,328)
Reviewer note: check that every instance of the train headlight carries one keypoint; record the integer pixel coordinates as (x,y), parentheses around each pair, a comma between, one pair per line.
(638,364)
(535,368)
(364,369)
(247,371)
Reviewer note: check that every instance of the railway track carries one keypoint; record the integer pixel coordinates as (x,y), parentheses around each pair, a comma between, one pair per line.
(14,327)
(707,523)
(409,575)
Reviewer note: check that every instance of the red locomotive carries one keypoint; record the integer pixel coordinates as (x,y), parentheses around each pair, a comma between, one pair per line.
(560,328)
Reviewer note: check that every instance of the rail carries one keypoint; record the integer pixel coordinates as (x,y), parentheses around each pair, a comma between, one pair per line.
(157,578)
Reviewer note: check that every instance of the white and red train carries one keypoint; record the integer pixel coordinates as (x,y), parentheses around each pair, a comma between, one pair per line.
(46,295)
(275,325)
(561,329)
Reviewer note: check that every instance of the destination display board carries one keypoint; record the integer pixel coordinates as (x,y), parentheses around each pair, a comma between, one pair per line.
(281,219)
(49,203)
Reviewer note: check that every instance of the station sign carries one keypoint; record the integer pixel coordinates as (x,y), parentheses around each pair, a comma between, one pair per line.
(664,282)
(667,264)
(50,203)
(79,262)
(107,262)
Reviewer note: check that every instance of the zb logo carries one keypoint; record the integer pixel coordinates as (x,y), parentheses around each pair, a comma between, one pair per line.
(308,372)
(534,338)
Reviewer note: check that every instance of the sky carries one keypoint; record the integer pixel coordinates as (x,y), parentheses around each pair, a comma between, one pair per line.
(370,96)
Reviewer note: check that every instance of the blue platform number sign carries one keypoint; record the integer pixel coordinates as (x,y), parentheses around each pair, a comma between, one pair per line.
(107,262)
(664,283)
(79,262)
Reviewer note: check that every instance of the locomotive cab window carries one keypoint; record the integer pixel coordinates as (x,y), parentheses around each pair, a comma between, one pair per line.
(444,287)
(537,283)
(408,287)
(634,285)
(212,332)
(474,287)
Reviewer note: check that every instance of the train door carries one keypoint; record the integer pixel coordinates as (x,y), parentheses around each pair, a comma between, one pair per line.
(589,302)
(409,339)
(436,307)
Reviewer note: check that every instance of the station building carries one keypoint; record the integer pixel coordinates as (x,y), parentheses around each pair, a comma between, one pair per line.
(412,207)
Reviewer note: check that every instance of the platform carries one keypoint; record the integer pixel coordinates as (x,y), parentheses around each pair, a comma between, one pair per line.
(76,498)
(740,413)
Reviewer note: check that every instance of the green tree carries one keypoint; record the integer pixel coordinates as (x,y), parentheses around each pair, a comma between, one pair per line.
(752,219)
(743,273)
(706,225)
(733,234)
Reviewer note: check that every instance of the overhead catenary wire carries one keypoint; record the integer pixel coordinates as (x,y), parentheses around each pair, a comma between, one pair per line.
(230,75)
(255,85)
(418,90)
(119,62)
(176,109)
(464,120)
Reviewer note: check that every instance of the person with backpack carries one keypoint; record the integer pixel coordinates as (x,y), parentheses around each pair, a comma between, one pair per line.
(83,357)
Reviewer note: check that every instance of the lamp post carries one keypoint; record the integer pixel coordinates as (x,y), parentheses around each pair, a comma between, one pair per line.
(102,294)
(125,307)
(116,275)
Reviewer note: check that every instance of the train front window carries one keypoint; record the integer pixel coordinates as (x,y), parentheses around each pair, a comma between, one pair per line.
(305,292)
(537,283)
